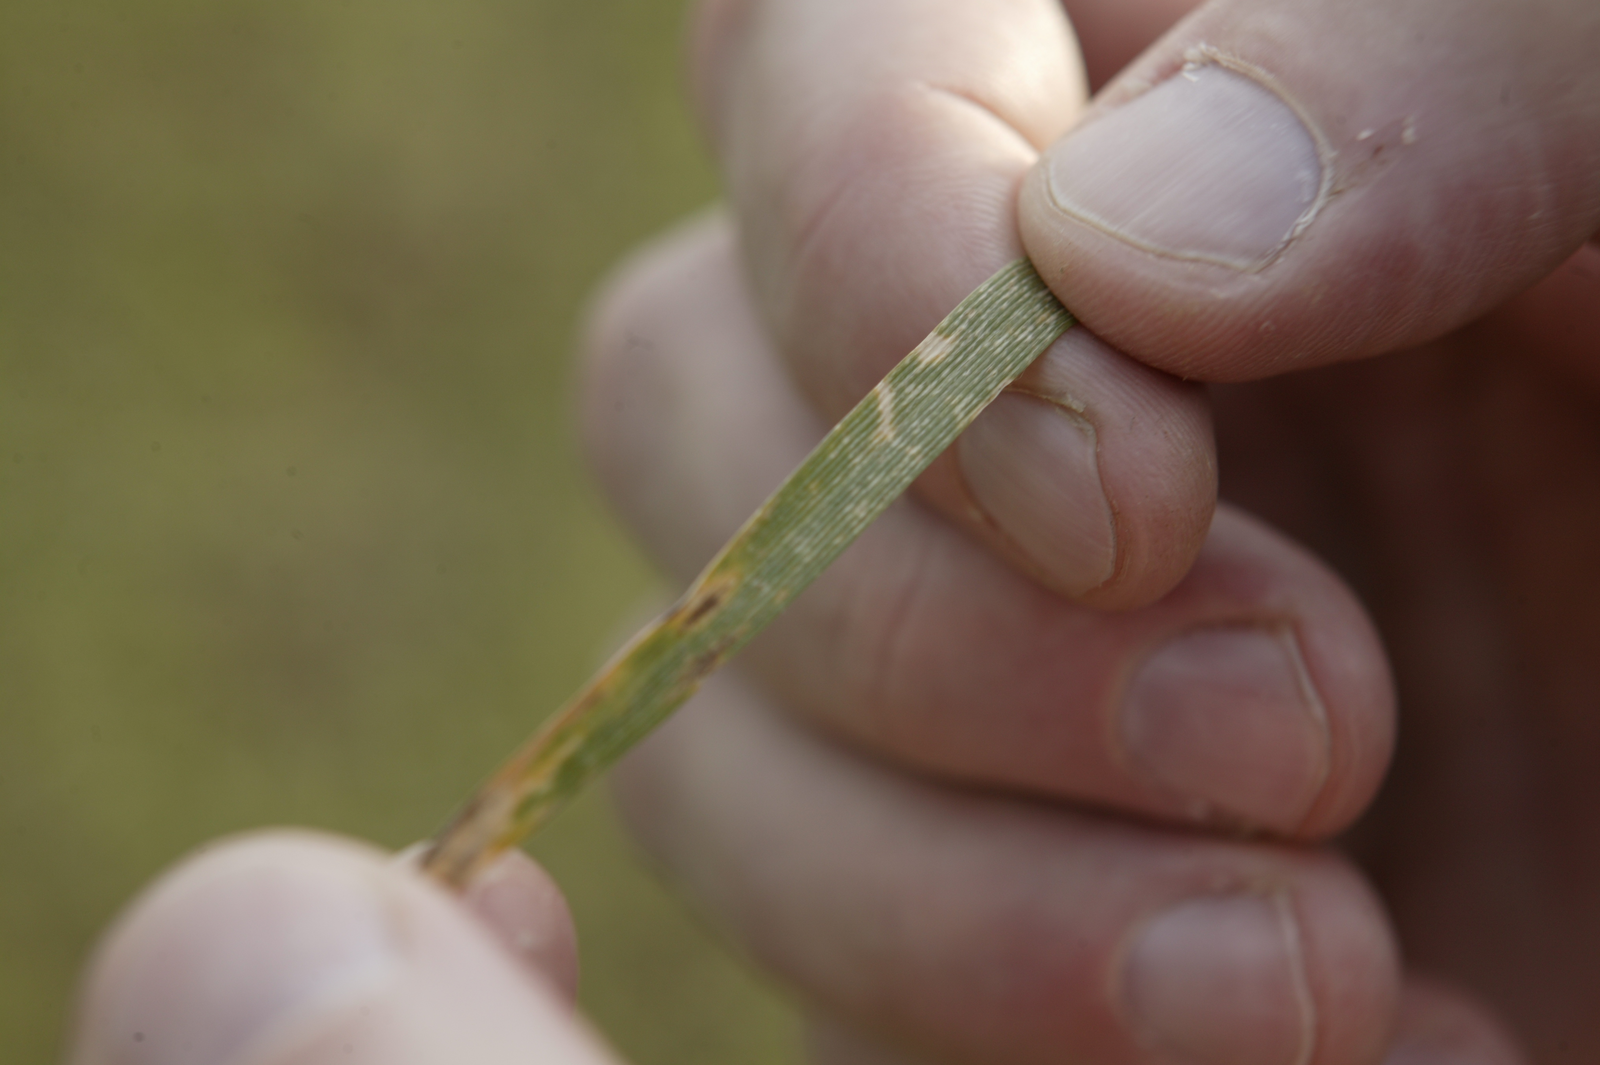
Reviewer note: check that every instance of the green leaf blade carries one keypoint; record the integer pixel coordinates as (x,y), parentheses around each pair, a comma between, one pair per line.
(862,465)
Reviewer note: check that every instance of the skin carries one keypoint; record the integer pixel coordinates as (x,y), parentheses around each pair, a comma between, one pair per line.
(1403,422)
(298,947)
(953,798)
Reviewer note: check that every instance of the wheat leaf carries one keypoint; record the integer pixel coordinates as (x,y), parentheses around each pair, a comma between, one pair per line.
(858,469)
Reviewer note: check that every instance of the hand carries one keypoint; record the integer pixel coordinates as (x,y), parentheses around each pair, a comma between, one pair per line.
(285,948)
(968,813)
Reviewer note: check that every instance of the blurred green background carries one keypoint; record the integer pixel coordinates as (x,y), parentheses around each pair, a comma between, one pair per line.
(292,526)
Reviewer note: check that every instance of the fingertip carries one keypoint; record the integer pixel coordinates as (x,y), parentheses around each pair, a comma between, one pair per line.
(1352,963)
(1346,687)
(1299,966)
(293,946)
(525,909)
(1094,474)
(1348,668)
(234,943)
(1159,465)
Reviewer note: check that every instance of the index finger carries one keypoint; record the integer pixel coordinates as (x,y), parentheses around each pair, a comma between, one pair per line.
(873,152)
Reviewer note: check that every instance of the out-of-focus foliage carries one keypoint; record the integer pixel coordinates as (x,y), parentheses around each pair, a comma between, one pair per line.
(292,527)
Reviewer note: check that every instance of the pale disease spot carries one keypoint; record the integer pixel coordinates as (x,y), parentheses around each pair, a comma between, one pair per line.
(886,426)
(934,348)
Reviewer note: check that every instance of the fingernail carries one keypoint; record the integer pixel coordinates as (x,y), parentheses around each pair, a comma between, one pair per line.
(1226,718)
(1210,164)
(1031,465)
(1220,981)
(233,955)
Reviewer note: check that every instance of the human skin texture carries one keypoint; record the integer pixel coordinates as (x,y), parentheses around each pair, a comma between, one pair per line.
(298,948)
(1066,759)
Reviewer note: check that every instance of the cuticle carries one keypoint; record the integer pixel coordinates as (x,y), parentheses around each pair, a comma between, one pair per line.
(1282,901)
(1079,410)
(1289,631)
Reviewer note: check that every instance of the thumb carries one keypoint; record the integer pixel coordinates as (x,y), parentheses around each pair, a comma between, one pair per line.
(1283,183)
(298,949)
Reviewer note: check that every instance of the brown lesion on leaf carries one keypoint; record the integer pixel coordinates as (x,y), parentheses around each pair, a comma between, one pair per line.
(705,605)
(706,662)
(701,601)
